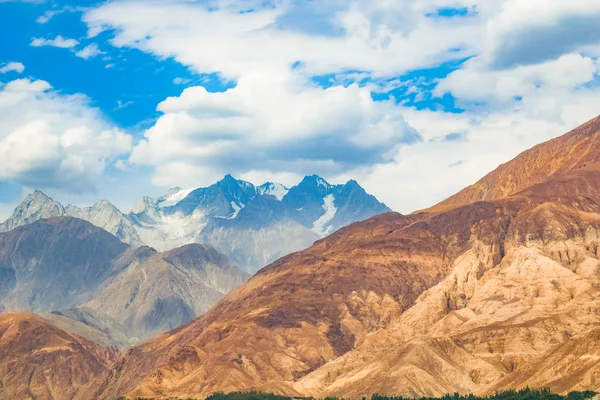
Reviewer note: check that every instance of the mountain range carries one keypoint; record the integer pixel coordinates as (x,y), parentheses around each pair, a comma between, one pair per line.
(75,273)
(496,288)
(252,225)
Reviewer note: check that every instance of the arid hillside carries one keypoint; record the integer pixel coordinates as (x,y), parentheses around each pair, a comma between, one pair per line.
(40,361)
(569,152)
(482,297)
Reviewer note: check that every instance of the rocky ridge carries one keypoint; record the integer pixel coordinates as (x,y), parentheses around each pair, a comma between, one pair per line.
(252,225)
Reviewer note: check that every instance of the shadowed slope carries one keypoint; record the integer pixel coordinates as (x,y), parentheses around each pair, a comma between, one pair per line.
(56,263)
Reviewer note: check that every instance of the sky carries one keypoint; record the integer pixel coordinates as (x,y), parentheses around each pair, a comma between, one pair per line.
(414,99)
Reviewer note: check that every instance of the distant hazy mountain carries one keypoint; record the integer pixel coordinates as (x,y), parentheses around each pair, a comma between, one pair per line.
(103,214)
(162,291)
(69,265)
(253,225)
(56,263)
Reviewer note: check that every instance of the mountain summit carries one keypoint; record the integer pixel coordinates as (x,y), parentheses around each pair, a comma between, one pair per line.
(253,225)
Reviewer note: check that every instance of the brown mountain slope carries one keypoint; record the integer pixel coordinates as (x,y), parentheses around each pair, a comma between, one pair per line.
(40,361)
(467,300)
(470,300)
(557,156)
(304,310)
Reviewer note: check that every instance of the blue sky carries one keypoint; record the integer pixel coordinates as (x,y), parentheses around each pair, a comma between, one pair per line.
(126,84)
(414,99)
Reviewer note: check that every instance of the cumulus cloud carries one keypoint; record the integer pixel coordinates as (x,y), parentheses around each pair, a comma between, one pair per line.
(50,140)
(535,86)
(58,41)
(12,66)
(329,130)
(276,118)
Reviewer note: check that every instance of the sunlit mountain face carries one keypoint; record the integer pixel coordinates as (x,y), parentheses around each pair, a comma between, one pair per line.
(305,198)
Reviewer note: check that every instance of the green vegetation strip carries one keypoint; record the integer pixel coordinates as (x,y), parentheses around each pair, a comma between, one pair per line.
(524,394)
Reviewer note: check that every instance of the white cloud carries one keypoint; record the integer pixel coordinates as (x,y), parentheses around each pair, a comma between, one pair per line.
(515,38)
(58,41)
(121,165)
(26,86)
(89,51)
(212,133)
(12,66)
(237,44)
(50,140)
(47,16)
(536,86)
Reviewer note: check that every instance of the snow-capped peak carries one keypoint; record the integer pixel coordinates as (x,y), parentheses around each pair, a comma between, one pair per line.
(247,186)
(144,204)
(173,196)
(273,189)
